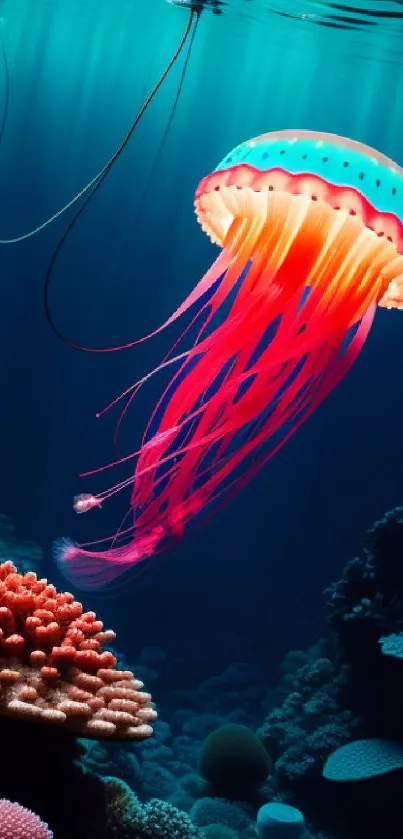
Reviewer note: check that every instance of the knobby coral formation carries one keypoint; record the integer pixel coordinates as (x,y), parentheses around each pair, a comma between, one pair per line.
(17,821)
(54,669)
(312,721)
(127,818)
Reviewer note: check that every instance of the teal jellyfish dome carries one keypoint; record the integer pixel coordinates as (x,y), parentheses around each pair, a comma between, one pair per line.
(339,161)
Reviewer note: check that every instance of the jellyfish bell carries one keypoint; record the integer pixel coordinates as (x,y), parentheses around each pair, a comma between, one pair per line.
(310,228)
(305,179)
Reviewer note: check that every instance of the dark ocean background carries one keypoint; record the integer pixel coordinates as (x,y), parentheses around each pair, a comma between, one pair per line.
(248,585)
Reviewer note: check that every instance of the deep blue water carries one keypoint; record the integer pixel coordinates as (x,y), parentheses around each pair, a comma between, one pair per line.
(79,70)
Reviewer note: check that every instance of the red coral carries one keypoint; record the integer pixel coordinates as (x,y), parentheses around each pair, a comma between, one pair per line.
(53,667)
(17,821)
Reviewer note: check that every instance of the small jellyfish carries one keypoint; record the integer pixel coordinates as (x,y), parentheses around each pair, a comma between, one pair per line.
(85,501)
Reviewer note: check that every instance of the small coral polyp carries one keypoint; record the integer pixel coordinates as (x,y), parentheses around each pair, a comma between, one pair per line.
(54,669)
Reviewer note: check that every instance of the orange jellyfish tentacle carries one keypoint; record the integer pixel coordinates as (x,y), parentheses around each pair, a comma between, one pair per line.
(93,187)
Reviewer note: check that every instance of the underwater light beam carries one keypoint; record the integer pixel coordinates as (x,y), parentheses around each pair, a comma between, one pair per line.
(100,176)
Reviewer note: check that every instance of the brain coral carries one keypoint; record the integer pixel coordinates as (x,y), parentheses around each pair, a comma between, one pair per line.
(233,760)
(53,668)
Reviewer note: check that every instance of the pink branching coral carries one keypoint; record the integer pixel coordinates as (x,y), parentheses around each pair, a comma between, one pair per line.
(53,668)
(17,821)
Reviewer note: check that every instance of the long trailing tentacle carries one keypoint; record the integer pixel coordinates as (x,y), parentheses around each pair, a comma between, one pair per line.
(297,299)
(224,455)
(170,118)
(101,178)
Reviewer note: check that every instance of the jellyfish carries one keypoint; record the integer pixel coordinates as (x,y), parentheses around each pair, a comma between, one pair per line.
(310,231)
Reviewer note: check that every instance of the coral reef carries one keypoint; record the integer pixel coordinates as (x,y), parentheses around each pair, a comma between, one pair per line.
(366,613)
(166,766)
(128,818)
(53,668)
(312,721)
(330,732)
(57,680)
(354,691)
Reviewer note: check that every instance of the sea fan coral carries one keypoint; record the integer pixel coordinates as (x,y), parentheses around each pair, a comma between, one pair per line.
(363,759)
(53,668)
(17,821)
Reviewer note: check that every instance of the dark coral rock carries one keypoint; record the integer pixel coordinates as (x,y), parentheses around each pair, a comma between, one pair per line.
(367,601)
(356,693)
(312,721)
(365,605)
